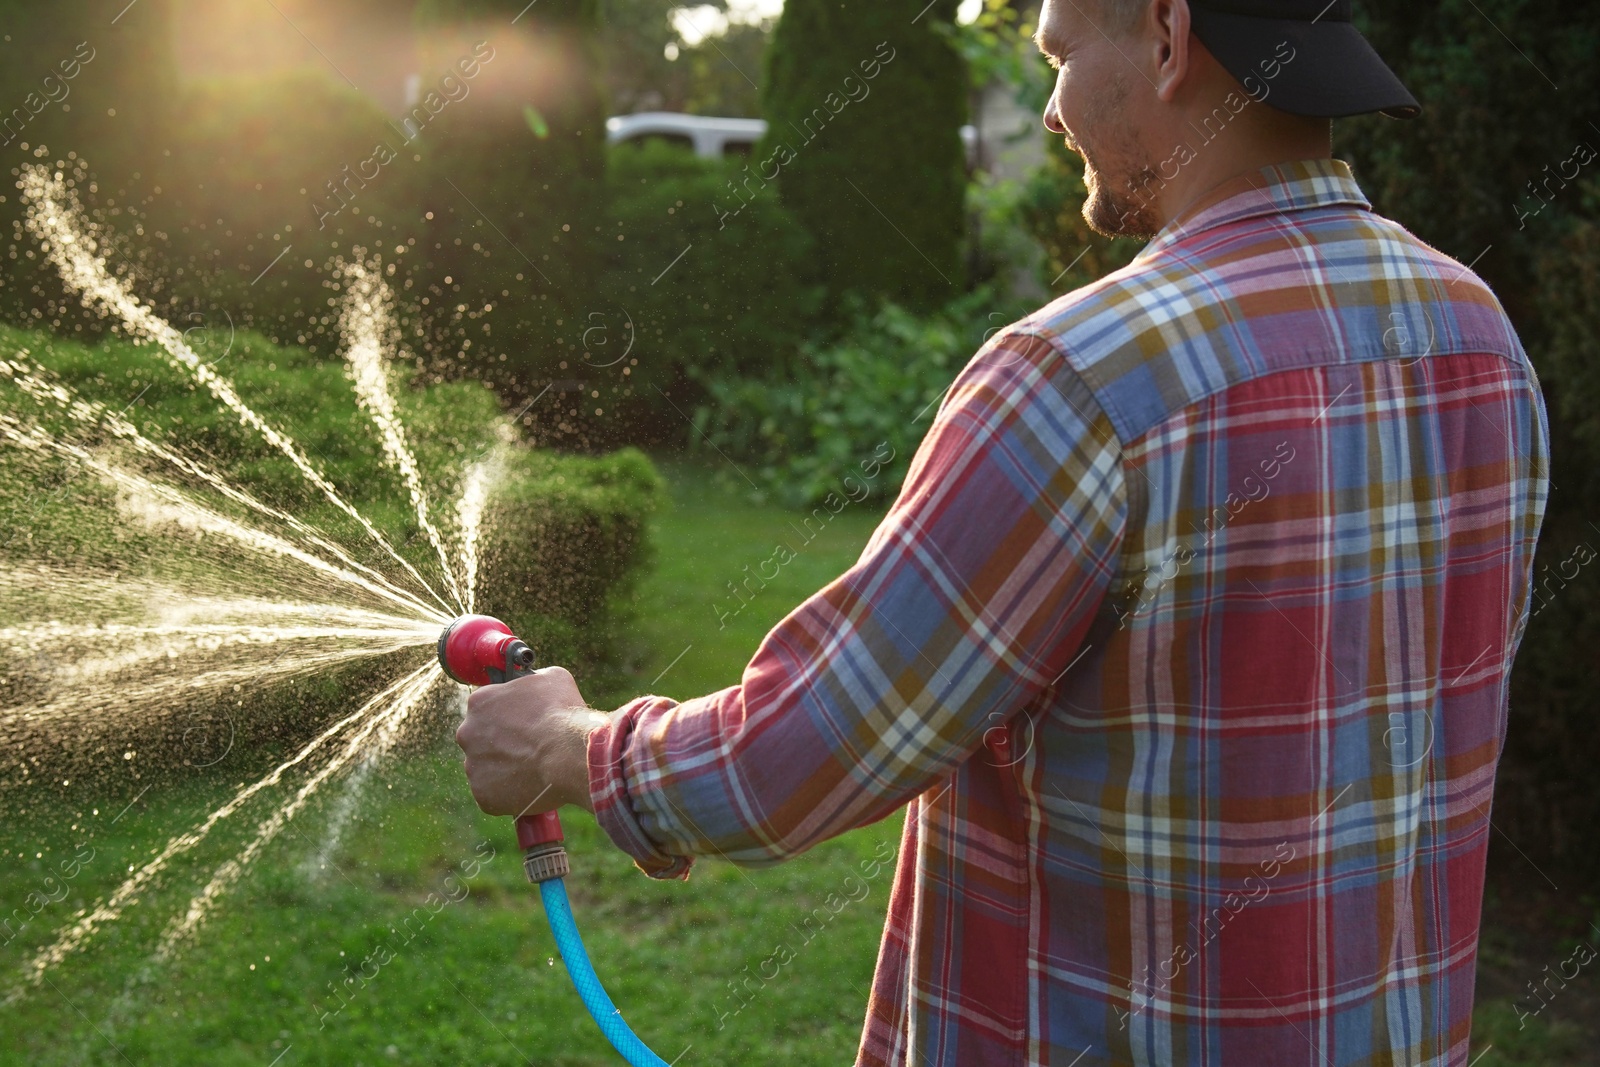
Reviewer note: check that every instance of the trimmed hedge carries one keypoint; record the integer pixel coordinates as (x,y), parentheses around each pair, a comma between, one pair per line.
(566,541)
(564,538)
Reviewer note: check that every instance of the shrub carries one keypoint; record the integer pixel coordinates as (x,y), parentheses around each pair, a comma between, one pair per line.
(802,427)
(266,161)
(871,96)
(116,105)
(565,544)
(564,538)
(515,183)
(1544,800)
(736,300)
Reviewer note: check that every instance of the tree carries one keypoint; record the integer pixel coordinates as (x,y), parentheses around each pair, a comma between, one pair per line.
(516,187)
(634,37)
(71,83)
(865,104)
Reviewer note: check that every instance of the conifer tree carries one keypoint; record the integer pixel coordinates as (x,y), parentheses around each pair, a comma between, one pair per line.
(865,103)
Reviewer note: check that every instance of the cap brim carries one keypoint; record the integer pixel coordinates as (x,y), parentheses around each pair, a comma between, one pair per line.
(1331,71)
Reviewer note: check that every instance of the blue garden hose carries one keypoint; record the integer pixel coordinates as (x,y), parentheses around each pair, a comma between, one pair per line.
(590,991)
(481,650)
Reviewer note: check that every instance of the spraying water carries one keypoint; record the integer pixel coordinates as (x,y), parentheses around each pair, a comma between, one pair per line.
(367,322)
(374,736)
(56,219)
(38,383)
(469,517)
(267,580)
(128,893)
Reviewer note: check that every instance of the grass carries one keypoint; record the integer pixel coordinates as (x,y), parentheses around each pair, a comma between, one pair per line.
(469,975)
(471,979)
(705,541)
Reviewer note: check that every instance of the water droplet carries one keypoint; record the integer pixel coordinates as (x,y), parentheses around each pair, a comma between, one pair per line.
(551,962)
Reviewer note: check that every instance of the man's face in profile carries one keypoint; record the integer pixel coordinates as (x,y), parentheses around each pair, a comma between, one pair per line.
(1090,109)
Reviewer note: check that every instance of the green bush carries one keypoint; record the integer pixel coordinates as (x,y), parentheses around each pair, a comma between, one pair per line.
(1544,797)
(514,186)
(565,545)
(737,299)
(563,539)
(800,429)
(267,161)
(204,180)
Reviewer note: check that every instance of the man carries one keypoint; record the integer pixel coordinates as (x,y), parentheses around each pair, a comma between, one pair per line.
(1186,642)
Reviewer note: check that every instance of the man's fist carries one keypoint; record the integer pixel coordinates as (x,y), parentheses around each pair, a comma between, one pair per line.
(527,744)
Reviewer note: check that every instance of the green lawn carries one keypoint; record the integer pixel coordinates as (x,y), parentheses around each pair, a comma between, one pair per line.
(476,980)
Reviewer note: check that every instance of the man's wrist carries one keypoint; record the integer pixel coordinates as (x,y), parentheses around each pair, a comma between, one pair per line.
(584,722)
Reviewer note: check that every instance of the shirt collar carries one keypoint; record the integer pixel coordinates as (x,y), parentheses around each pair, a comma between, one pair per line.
(1280,188)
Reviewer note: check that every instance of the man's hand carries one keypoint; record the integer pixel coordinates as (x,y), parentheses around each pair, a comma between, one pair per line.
(527,744)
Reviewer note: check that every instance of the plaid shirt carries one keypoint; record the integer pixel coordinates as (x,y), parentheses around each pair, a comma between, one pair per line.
(1185,645)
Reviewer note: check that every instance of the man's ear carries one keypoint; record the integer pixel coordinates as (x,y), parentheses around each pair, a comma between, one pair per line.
(1169,24)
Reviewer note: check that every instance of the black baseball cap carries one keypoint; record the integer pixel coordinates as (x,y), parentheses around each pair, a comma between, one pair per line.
(1332,72)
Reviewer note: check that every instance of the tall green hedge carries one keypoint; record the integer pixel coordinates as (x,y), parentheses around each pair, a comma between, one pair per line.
(72,81)
(865,104)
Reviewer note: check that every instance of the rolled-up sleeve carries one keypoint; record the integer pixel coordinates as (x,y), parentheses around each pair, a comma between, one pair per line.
(973,594)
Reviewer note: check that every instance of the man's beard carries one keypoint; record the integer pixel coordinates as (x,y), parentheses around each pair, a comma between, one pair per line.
(1110,212)
(1108,209)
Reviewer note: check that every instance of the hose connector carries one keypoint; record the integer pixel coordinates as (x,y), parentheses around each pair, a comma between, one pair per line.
(544,851)
(544,862)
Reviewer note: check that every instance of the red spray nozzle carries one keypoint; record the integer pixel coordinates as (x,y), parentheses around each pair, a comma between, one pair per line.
(479,650)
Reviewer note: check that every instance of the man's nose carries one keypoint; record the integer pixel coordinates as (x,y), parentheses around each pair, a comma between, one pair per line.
(1052,120)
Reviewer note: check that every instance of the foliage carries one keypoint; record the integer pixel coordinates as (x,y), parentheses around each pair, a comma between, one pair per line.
(712,282)
(205,181)
(586,512)
(650,67)
(634,36)
(723,73)
(114,104)
(865,104)
(1486,73)
(800,429)
(998,47)
(567,544)
(512,202)
(259,164)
